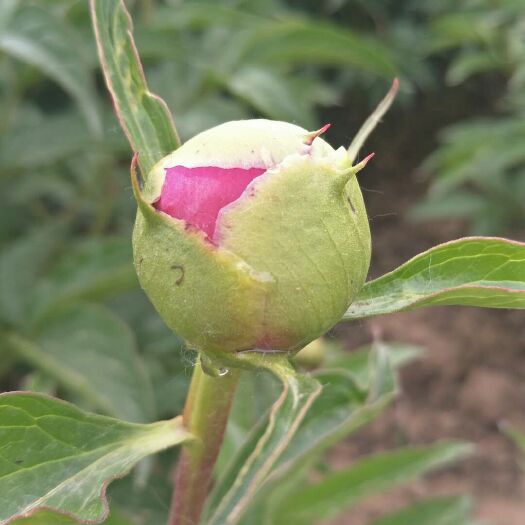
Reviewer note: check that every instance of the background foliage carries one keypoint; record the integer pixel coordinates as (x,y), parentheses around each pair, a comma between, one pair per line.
(66,278)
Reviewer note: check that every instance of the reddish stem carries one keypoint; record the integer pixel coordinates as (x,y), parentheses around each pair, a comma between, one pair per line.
(205,415)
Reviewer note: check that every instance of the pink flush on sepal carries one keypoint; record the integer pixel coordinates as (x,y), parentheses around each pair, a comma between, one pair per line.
(197,195)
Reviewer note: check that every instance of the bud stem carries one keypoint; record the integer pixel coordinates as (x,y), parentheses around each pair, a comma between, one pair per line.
(205,415)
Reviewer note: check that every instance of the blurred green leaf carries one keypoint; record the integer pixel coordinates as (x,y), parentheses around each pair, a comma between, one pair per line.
(144,117)
(196,15)
(146,501)
(360,365)
(168,362)
(342,489)
(93,354)
(91,269)
(37,140)
(21,264)
(302,41)
(37,37)
(6,359)
(470,63)
(50,140)
(57,457)
(475,271)
(435,511)
(270,94)
(40,383)
(7,10)
(341,408)
(477,149)
(459,204)
(46,517)
(481,158)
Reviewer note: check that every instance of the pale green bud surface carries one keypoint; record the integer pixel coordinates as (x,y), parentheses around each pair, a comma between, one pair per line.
(278,265)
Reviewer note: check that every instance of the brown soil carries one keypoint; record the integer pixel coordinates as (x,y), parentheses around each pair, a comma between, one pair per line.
(472,376)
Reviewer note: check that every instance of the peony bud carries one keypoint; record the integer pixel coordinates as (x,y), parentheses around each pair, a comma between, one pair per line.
(252,235)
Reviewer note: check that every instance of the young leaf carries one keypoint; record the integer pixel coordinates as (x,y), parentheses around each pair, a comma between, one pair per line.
(435,511)
(474,271)
(144,117)
(265,445)
(59,458)
(92,353)
(342,489)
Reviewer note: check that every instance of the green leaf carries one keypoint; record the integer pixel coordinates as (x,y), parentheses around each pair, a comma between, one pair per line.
(354,392)
(342,407)
(6,360)
(92,269)
(474,271)
(470,62)
(301,41)
(93,354)
(59,458)
(37,37)
(39,382)
(342,489)
(435,511)
(46,517)
(201,15)
(21,264)
(269,439)
(50,139)
(270,94)
(7,10)
(358,363)
(144,117)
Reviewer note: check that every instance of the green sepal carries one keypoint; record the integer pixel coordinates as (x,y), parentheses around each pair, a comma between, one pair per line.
(310,232)
(208,295)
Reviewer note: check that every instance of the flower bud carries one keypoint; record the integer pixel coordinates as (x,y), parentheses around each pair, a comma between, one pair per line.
(252,235)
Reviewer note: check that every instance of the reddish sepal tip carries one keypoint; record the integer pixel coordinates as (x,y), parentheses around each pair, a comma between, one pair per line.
(314,134)
(368,158)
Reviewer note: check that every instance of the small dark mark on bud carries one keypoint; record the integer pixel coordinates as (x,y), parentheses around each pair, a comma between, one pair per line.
(179,268)
(349,200)
(19,461)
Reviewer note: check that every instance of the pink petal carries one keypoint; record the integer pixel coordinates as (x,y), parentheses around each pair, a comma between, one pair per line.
(196,195)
